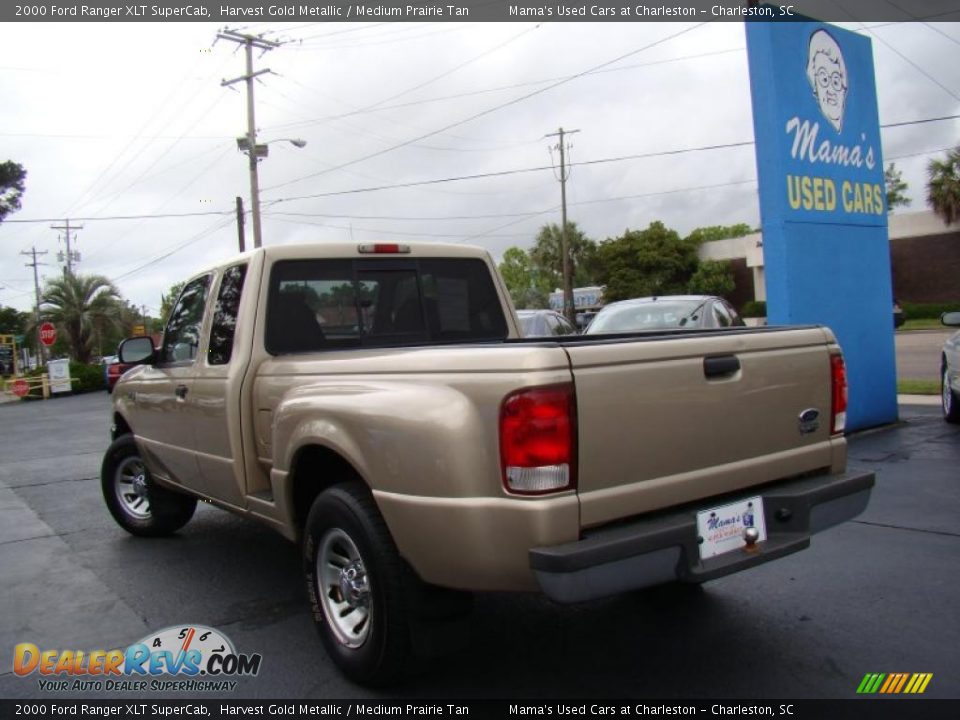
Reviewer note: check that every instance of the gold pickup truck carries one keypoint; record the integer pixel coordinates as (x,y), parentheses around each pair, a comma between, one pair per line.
(376,404)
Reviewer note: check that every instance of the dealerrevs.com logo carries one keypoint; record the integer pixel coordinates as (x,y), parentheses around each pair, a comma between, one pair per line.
(183,658)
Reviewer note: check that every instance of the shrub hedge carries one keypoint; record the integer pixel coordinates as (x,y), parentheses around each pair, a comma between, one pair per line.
(927,311)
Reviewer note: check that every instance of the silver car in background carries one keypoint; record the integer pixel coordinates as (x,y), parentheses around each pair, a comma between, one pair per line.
(950,370)
(668,312)
(544,323)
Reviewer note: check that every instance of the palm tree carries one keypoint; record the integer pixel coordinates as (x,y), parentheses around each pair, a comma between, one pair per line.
(943,188)
(75,303)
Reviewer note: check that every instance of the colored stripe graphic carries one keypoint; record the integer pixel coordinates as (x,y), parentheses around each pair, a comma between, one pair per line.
(871,683)
(894,683)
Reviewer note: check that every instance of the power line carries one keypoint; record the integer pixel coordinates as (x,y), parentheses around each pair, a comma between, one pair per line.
(913,64)
(499,88)
(475,176)
(177,248)
(160,216)
(488,110)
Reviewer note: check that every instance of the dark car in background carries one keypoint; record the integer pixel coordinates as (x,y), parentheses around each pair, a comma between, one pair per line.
(664,313)
(544,323)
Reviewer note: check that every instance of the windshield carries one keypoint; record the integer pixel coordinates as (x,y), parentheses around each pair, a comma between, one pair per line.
(653,315)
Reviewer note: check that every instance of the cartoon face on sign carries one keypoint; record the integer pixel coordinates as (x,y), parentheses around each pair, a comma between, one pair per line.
(827,73)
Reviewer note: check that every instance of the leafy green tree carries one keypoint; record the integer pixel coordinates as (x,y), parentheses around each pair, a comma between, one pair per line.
(167,301)
(74,303)
(719,232)
(12,321)
(943,187)
(896,187)
(527,287)
(547,256)
(12,179)
(641,263)
(713,277)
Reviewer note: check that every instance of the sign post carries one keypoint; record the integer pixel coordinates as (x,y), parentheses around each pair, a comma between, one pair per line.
(823,201)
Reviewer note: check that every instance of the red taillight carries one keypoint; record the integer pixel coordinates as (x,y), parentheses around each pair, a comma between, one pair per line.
(838,394)
(537,440)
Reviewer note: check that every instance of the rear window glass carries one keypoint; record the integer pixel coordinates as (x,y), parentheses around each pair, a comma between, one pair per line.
(327,304)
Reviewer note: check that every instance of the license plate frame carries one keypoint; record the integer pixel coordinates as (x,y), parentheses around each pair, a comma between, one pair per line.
(720,529)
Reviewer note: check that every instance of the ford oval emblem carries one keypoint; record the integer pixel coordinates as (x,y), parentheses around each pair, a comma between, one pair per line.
(809,421)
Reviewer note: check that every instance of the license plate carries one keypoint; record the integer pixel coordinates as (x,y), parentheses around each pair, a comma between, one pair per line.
(721,529)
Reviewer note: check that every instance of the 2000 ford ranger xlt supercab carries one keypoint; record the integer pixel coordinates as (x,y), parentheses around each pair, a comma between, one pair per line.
(376,404)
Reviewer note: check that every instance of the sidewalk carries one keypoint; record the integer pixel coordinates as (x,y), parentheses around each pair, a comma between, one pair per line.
(918,399)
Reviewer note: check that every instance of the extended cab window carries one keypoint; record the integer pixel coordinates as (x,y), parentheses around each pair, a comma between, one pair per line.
(325,304)
(181,339)
(225,315)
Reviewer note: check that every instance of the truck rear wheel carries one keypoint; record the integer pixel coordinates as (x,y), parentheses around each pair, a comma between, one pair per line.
(355,579)
(138,504)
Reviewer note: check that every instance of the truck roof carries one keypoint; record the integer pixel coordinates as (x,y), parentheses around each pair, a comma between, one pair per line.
(355,249)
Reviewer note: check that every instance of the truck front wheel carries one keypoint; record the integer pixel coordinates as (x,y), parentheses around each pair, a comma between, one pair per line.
(355,582)
(138,504)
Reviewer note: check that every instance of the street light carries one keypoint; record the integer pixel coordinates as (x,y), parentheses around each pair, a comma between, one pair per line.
(254,151)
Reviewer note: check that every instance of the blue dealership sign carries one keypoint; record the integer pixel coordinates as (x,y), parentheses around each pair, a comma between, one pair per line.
(822,198)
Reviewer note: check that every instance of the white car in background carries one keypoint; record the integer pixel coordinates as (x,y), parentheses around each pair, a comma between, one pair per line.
(665,312)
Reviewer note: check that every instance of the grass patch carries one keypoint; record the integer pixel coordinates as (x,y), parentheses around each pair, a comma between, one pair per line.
(918,387)
(922,324)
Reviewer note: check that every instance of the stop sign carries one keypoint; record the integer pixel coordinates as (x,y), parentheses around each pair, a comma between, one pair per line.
(20,387)
(48,334)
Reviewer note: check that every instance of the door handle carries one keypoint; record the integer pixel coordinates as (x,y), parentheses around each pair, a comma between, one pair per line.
(720,366)
(181,391)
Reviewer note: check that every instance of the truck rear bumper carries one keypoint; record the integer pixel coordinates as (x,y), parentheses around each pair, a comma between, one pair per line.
(664,548)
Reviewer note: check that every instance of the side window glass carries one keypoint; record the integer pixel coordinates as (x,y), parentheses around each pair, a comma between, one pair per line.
(554,325)
(181,339)
(565,327)
(735,318)
(720,316)
(225,315)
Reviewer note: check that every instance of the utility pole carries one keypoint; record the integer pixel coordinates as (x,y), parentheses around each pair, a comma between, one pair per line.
(36,287)
(568,308)
(249,144)
(240,228)
(71,256)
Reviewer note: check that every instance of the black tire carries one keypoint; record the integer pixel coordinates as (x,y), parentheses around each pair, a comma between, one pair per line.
(949,401)
(140,506)
(355,581)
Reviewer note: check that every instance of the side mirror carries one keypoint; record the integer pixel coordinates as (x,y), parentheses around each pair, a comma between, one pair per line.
(137,351)
(951,318)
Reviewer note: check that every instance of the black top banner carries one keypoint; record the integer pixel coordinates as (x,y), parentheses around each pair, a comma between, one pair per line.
(609,709)
(236,11)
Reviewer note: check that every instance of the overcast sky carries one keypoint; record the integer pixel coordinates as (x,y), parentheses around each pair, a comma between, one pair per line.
(131,119)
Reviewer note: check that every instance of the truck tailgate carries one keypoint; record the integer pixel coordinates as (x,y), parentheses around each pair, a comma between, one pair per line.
(664,421)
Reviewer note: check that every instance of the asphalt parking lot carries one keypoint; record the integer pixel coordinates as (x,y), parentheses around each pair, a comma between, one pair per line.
(874,595)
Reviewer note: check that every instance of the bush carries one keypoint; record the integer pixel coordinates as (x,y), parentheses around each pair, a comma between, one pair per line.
(86,378)
(927,311)
(754,309)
